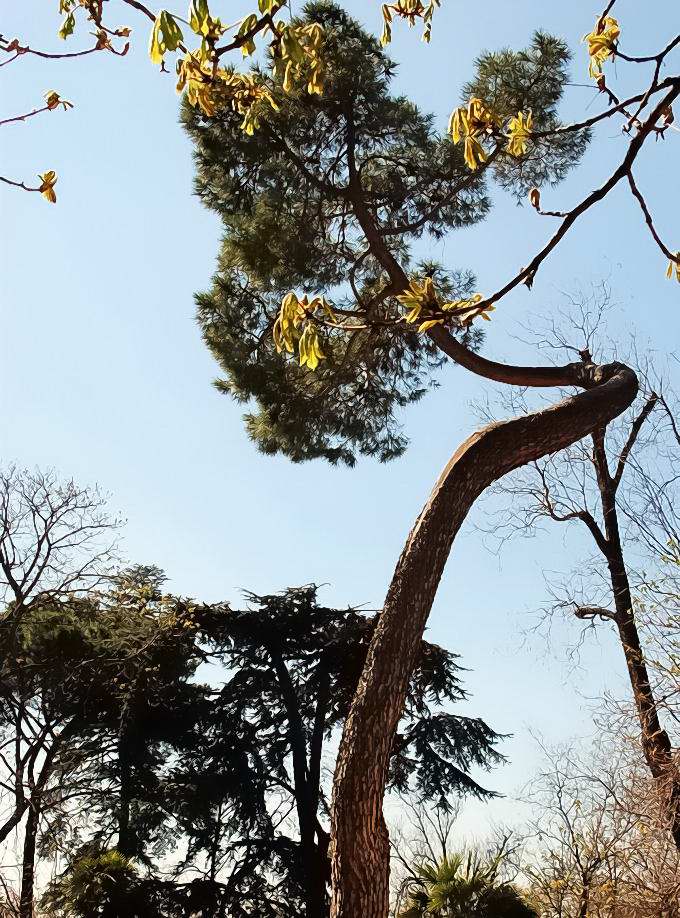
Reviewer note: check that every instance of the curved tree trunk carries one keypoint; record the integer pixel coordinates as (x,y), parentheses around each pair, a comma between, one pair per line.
(359,840)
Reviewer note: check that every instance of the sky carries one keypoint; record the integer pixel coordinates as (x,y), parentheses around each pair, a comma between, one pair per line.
(104,376)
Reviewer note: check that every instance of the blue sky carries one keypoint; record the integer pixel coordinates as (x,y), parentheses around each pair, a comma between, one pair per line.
(104,375)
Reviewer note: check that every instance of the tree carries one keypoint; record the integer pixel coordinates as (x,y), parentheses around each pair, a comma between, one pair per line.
(614,485)
(164,765)
(508,127)
(102,690)
(354,176)
(596,845)
(54,543)
(56,540)
(463,884)
(296,666)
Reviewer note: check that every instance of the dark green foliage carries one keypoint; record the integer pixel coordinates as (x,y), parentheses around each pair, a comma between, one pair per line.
(99,885)
(202,775)
(532,79)
(295,665)
(463,886)
(288,200)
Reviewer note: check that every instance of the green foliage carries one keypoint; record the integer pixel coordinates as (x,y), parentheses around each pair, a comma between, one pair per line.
(102,885)
(294,667)
(529,80)
(463,885)
(175,771)
(289,199)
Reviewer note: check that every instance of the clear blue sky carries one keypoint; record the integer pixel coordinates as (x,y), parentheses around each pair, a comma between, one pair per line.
(104,375)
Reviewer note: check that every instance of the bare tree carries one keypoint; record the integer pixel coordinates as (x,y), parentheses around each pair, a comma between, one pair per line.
(596,847)
(56,541)
(609,485)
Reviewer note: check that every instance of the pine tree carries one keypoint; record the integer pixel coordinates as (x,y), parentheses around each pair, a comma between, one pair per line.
(290,199)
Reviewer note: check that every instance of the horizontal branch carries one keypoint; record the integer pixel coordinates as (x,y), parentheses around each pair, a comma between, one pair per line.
(591,612)
(36,111)
(618,107)
(648,58)
(17,184)
(20,50)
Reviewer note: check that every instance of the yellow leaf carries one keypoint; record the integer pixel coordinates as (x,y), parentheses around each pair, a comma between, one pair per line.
(602,43)
(67,26)
(474,152)
(309,348)
(519,132)
(48,181)
(166,35)
(423,327)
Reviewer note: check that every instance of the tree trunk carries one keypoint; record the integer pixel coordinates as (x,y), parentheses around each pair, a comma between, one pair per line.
(126,841)
(28,861)
(306,776)
(656,744)
(359,839)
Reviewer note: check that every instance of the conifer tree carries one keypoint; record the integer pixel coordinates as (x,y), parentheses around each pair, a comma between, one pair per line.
(319,315)
(356,324)
(173,770)
(292,221)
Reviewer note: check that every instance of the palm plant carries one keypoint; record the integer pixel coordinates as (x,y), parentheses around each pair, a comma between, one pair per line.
(463,885)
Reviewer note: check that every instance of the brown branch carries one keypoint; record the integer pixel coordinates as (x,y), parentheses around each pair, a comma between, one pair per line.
(588,613)
(239,41)
(632,437)
(648,219)
(17,184)
(571,375)
(24,49)
(606,10)
(36,111)
(617,107)
(647,59)
(671,418)
(591,523)
(526,275)
(142,9)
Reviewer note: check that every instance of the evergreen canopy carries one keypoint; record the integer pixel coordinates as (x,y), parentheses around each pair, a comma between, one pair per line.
(291,197)
(170,769)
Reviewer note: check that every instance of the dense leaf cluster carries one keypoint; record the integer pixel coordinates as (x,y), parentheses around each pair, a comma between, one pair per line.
(225,779)
(290,199)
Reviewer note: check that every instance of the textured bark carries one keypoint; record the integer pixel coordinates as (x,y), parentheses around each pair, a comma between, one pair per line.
(28,863)
(306,780)
(359,840)
(126,843)
(656,744)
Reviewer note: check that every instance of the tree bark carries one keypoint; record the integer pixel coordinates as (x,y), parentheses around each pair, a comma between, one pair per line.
(359,839)
(126,836)
(656,744)
(28,861)
(306,778)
